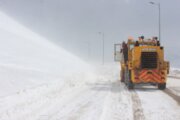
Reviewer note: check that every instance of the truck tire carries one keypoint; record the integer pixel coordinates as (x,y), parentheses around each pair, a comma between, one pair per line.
(162,86)
(126,77)
(128,81)
(122,76)
(130,85)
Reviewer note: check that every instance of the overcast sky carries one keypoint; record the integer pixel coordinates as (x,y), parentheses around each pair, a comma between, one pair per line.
(74,24)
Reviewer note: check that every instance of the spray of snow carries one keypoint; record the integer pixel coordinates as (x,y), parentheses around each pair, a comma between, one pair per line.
(28,60)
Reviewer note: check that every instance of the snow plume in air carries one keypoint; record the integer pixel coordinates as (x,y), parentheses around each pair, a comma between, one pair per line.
(27,59)
(38,77)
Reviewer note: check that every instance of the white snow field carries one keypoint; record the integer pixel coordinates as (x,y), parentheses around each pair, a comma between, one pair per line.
(41,81)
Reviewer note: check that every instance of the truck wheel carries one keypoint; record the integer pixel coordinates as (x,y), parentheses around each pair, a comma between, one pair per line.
(130,85)
(162,86)
(122,76)
(126,76)
(122,80)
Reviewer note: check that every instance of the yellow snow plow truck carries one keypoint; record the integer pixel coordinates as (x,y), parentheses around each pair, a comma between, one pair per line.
(142,61)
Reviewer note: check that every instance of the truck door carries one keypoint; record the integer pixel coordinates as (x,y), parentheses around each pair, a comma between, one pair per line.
(117,52)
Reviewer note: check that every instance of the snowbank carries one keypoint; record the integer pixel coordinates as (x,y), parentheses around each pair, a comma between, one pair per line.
(175,72)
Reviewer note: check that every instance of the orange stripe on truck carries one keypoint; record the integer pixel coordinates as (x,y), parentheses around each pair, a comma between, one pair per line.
(150,75)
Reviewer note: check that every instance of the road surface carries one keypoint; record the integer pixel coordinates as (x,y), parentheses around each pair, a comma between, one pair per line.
(102,99)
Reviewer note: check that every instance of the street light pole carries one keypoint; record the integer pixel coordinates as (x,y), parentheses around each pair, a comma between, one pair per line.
(159,6)
(159,9)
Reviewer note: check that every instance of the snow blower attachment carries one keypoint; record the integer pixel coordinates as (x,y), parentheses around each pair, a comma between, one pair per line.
(142,61)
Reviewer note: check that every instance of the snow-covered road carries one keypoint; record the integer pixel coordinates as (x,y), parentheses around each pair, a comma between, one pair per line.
(102,99)
(157,104)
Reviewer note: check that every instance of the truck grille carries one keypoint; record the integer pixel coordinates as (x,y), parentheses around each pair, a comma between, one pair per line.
(149,60)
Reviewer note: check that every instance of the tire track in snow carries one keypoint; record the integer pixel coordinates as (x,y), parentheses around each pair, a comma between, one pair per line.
(137,107)
(72,108)
(156,104)
(76,115)
(76,101)
(117,105)
(176,77)
(172,95)
(89,109)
